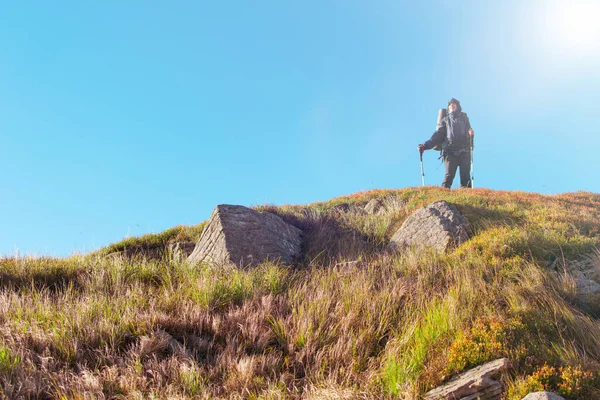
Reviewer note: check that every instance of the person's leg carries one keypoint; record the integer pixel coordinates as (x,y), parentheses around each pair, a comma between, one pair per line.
(465,169)
(451,163)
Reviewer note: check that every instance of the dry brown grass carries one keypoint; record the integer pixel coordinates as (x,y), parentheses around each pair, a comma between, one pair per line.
(390,325)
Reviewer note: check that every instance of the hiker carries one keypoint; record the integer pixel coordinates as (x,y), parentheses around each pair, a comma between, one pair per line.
(455,137)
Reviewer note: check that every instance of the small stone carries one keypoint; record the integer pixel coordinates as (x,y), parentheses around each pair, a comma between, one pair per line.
(375,206)
(389,204)
(147,252)
(181,250)
(587,287)
(350,264)
(345,208)
(543,396)
(176,347)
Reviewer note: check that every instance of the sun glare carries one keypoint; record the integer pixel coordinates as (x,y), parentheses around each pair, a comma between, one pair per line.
(572,28)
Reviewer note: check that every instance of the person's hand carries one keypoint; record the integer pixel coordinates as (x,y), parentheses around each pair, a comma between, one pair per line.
(471,133)
(421,148)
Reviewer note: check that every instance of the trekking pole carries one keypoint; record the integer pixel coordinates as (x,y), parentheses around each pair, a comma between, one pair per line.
(472,170)
(422,171)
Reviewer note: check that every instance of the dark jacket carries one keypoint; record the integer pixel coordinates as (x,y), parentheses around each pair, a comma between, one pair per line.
(451,134)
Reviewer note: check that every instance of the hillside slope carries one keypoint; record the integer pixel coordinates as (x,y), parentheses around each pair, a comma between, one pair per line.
(390,325)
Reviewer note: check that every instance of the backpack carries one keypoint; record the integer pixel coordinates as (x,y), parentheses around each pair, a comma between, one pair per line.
(456,133)
(442,113)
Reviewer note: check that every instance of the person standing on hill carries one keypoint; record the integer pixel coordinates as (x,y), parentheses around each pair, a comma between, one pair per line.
(455,137)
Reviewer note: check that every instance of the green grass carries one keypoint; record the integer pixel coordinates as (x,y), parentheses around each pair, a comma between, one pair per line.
(394,325)
(151,241)
(8,360)
(405,360)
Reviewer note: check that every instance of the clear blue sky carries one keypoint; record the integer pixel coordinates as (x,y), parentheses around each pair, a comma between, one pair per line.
(127,117)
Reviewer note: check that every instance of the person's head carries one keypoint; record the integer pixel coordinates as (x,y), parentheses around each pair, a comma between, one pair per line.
(454,105)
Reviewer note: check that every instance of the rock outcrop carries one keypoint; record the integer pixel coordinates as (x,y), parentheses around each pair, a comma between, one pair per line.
(543,396)
(438,225)
(477,383)
(246,237)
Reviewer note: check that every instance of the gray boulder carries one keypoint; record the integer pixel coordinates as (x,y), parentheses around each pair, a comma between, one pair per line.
(246,237)
(438,225)
(477,383)
(543,396)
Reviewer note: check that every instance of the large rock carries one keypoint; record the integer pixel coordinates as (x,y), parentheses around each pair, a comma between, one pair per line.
(438,225)
(246,237)
(543,396)
(477,383)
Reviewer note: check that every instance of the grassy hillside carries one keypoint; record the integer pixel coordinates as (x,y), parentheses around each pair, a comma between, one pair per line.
(160,241)
(391,325)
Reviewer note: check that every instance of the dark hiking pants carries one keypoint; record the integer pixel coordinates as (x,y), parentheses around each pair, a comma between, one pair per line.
(452,161)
